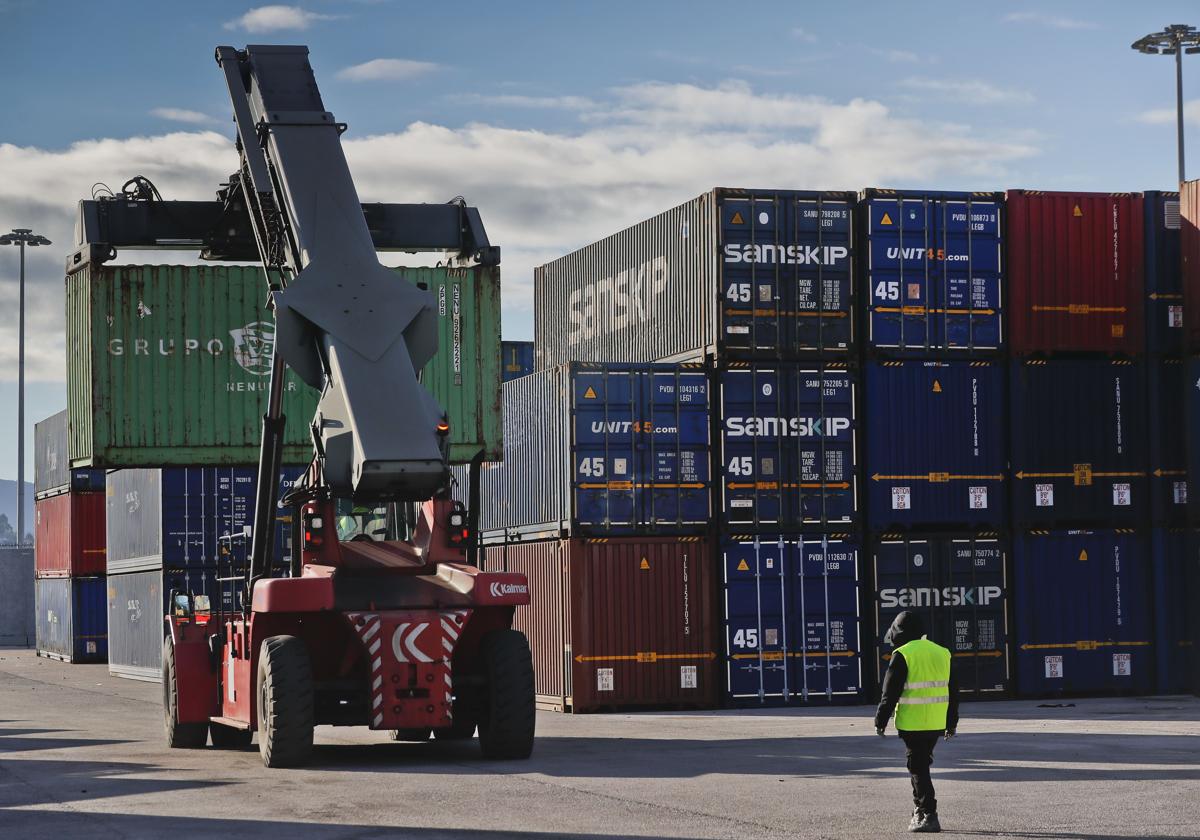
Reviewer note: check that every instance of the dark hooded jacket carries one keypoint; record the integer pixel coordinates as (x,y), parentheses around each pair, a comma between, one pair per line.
(907,627)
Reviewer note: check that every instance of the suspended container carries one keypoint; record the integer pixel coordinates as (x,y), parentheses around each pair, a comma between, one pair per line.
(516,359)
(1082,604)
(70,618)
(1164,279)
(1168,477)
(69,535)
(1079,442)
(958,584)
(788,447)
(1075,268)
(733,274)
(936,450)
(602,450)
(934,277)
(618,623)
(791,610)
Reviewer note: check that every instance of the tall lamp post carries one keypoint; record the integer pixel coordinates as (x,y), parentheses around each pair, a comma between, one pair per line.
(21,237)
(1175,40)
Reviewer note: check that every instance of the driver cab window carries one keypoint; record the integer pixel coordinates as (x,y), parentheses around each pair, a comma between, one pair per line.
(375,522)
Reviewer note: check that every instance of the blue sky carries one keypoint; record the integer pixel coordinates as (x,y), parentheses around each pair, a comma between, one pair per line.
(566,121)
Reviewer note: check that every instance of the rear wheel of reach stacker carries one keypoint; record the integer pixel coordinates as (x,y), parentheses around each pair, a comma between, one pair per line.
(285,702)
(508,711)
(179,735)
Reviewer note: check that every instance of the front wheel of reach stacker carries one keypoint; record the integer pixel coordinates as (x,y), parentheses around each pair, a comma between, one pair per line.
(508,710)
(285,702)
(179,735)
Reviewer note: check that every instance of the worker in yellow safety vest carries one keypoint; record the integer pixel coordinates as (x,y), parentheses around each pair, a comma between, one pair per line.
(921,689)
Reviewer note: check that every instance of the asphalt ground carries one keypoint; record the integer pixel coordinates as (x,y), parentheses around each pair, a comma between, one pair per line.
(82,755)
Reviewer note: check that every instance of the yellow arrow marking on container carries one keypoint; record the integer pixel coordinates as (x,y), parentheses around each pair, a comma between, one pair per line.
(644,657)
(921,310)
(589,394)
(980,653)
(1083,644)
(1165,296)
(936,477)
(1161,473)
(1080,309)
(775,485)
(1024,474)
(772,655)
(766,313)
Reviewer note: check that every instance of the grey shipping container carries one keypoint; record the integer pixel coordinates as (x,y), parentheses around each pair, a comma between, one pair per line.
(52,473)
(70,619)
(16,597)
(735,273)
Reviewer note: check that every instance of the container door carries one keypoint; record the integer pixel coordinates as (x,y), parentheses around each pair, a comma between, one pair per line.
(754,229)
(905,579)
(819,284)
(606,466)
(967,275)
(973,620)
(820,477)
(824,617)
(756,640)
(1168,477)
(898,298)
(675,490)
(755,436)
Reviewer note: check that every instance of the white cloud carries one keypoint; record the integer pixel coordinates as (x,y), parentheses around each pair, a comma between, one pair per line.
(801,34)
(1162,116)
(386,69)
(182,115)
(275,18)
(1052,21)
(542,193)
(969,91)
(511,100)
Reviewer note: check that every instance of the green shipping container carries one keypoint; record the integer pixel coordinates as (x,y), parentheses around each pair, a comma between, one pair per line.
(169,365)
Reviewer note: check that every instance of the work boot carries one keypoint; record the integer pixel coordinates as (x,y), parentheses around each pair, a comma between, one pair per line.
(916,819)
(928,824)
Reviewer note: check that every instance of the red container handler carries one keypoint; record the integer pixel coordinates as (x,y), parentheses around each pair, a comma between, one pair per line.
(1076,272)
(1189,253)
(618,623)
(70,535)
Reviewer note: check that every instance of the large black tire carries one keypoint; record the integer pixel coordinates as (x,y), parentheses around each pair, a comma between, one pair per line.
(508,711)
(285,702)
(228,738)
(413,734)
(179,735)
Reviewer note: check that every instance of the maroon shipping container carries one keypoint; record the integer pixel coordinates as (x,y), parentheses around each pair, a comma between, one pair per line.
(618,623)
(1189,252)
(69,535)
(1076,273)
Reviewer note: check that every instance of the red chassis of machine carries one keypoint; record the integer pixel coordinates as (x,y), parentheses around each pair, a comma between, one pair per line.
(398,636)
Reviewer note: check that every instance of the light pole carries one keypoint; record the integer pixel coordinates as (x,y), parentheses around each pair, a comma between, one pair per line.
(1175,40)
(21,237)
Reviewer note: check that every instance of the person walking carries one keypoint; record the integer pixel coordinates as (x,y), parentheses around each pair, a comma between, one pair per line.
(921,689)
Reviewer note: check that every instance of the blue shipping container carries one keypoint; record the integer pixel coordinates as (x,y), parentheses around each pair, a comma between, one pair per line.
(1167,441)
(959,585)
(1175,619)
(1082,606)
(71,619)
(788,438)
(934,282)
(602,450)
(1079,443)
(792,618)
(175,516)
(516,359)
(1164,281)
(935,444)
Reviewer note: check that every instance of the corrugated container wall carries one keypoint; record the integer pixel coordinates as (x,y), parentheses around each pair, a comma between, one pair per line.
(958,583)
(1168,477)
(1082,604)
(516,359)
(1075,267)
(788,447)
(174,517)
(169,365)
(1078,442)
(1191,419)
(629,622)
(936,452)
(1189,258)
(602,450)
(17,596)
(1164,281)
(934,277)
(1176,623)
(69,536)
(71,623)
(735,273)
(791,610)
(52,473)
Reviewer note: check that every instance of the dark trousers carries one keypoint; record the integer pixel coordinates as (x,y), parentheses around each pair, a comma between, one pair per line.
(920,758)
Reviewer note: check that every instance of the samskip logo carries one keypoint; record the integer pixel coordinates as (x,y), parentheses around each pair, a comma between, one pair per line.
(786,426)
(829,255)
(950,596)
(499,590)
(614,303)
(253,346)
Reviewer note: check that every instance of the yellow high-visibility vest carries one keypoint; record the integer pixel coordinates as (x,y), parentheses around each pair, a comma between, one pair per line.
(925,701)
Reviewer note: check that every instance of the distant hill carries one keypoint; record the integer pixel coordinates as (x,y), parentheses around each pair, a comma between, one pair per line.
(8,503)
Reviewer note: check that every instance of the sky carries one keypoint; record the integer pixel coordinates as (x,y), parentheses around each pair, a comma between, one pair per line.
(564,122)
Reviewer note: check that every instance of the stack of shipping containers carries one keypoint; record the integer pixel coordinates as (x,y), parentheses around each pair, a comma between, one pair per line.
(1189,568)
(1081,489)
(68,550)
(935,464)
(757,287)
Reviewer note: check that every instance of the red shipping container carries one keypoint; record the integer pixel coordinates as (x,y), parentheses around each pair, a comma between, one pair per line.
(69,535)
(618,623)
(1076,273)
(1189,252)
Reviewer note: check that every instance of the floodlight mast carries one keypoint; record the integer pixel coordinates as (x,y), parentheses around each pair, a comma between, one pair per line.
(1175,40)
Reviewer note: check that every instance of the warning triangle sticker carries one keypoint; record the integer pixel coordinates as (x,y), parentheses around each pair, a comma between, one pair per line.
(589,394)
(1083,556)
(737,219)
(937,387)
(743,566)
(1077,213)
(644,565)
(886,220)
